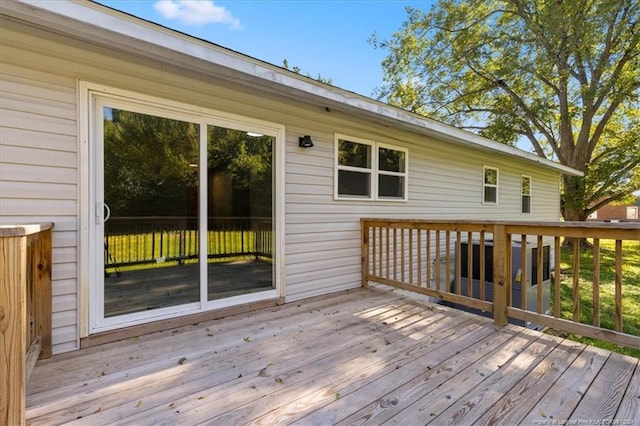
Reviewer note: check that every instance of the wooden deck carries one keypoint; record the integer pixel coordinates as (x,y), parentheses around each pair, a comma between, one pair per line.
(366,356)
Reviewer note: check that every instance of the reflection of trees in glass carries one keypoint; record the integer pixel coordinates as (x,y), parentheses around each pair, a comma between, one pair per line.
(149,165)
(491,177)
(391,160)
(151,168)
(354,154)
(243,165)
(526,185)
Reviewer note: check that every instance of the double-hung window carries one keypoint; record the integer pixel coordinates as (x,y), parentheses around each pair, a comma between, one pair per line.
(370,170)
(490,185)
(525,190)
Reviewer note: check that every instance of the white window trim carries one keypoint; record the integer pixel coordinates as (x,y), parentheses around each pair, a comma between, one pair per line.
(496,186)
(632,216)
(374,171)
(530,194)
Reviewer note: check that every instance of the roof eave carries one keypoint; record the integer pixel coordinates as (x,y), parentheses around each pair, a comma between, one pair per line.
(109,27)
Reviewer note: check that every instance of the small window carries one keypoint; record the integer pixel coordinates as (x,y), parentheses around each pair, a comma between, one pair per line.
(490,185)
(354,169)
(632,213)
(525,184)
(593,215)
(369,170)
(392,173)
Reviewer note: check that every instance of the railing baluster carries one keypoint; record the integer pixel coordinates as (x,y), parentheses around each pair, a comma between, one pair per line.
(427,258)
(373,250)
(395,254)
(380,250)
(576,279)
(618,284)
(419,231)
(469,264)
(509,269)
(447,260)
(437,259)
(402,255)
(523,272)
(483,262)
(387,251)
(458,288)
(556,276)
(596,282)
(540,275)
(410,230)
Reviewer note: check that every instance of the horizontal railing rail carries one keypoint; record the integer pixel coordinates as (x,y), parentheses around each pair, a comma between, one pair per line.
(143,240)
(564,275)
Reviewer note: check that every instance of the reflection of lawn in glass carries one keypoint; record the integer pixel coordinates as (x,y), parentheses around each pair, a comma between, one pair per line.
(630,291)
(131,248)
(156,286)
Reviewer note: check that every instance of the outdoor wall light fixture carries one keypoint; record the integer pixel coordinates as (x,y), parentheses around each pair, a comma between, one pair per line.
(305,142)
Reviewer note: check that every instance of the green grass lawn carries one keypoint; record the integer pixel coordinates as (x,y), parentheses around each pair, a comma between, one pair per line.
(630,291)
(161,247)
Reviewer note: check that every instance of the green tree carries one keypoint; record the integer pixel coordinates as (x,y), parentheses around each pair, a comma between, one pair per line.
(148,165)
(564,75)
(248,162)
(151,166)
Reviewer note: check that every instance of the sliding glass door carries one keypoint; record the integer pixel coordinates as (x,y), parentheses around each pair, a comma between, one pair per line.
(240,212)
(184,213)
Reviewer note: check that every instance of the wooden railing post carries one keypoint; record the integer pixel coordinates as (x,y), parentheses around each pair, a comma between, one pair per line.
(25,312)
(501,278)
(13,324)
(42,296)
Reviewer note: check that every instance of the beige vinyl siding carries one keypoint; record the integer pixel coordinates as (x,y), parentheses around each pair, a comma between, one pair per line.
(445,182)
(40,177)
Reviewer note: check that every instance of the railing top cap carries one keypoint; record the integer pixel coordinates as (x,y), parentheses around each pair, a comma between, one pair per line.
(558,224)
(23,230)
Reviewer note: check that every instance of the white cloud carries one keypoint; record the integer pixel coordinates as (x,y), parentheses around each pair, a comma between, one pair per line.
(196,12)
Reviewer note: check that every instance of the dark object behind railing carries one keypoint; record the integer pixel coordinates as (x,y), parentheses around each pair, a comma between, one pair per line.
(145,240)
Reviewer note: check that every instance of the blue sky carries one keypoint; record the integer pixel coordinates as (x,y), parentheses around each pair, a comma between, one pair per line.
(321,37)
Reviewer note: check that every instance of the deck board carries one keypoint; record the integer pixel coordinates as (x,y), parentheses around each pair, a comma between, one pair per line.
(366,356)
(604,396)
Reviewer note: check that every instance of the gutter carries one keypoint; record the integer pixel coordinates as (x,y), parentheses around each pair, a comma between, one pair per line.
(100,24)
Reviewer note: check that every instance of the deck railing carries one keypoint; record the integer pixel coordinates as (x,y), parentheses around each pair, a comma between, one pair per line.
(25,312)
(518,272)
(143,240)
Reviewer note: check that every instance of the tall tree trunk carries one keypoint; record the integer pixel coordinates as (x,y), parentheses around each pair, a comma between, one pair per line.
(573,208)
(572,199)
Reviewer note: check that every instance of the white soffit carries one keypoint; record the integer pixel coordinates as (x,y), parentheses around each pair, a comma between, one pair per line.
(95,23)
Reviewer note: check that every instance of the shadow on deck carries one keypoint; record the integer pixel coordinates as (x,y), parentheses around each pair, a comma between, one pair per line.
(366,356)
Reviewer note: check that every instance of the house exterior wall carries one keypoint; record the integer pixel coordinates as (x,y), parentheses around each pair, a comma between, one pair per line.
(40,182)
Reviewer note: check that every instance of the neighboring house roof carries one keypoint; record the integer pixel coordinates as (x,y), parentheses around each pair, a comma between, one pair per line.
(107,27)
